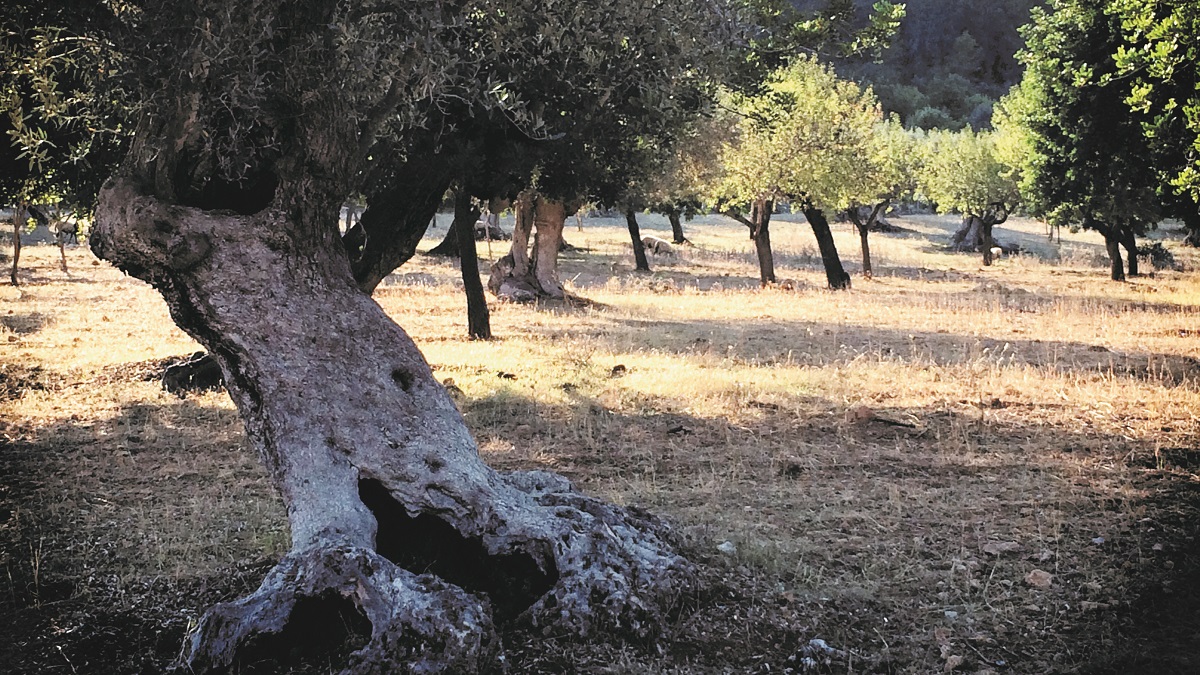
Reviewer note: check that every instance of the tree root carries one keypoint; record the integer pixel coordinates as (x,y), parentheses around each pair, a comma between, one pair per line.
(617,568)
(419,624)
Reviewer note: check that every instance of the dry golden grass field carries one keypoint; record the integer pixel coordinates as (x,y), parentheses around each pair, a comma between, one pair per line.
(949,468)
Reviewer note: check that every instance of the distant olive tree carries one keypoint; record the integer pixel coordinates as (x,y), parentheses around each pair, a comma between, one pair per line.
(961,172)
(802,139)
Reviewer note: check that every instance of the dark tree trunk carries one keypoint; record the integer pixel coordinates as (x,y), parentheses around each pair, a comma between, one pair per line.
(1112,243)
(392,511)
(968,237)
(761,234)
(18,225)
(676,227)
(864,231)
(395,219)
(1191,223)
(863,237)
(479,324)
(987,242)
(834,272)
(449,247)
(639,249)
(1129,241)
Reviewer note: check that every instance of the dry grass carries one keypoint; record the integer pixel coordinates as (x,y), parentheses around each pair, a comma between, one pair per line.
(891,463)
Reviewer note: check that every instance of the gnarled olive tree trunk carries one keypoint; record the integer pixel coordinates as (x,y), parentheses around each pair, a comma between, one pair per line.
(523,275)
(391,508)
(760,216)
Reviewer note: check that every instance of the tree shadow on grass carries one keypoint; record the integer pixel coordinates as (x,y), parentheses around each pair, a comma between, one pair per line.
(815,343)
(871,533)
(117,532)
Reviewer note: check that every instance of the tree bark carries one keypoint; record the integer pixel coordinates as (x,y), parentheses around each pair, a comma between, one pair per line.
(549,218)
(639,249)
(835,274)
(391,508)
(677,237)
(1129,241)
(761,234)
(479,325)
(18,223)
(1112,243)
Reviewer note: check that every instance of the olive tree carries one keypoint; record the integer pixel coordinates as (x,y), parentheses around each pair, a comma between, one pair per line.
(802,139)
(886,173)
(961,172)
(1091,163)
(252,125)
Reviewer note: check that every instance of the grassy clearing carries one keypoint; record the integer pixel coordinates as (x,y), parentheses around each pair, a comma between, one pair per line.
(893,464)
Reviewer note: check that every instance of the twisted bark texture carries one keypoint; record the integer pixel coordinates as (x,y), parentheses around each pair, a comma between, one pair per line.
(390,506)
(522,275)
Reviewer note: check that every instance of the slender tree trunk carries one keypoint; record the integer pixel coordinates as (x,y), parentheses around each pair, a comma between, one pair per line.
(676,227)
(1129,241)
(987,243)
(761,216)
(1112,242)
(639,250)
(479,325)
(392,512)
(62,251)
(864,232)
(835,274)
(18,222)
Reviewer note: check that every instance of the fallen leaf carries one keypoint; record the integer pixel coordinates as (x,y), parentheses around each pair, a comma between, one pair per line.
(953,663)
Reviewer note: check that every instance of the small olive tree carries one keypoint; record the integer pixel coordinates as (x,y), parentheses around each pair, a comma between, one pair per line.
(962,173)
(802,139)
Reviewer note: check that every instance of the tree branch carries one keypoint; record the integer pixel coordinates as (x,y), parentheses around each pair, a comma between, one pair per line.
(738,217)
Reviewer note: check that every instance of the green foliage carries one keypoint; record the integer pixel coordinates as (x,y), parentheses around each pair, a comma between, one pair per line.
(1088,160)
(1161,53)
(961,171)
(59,137)
(806,138)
